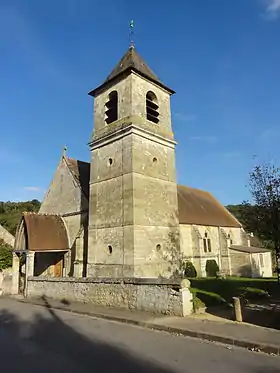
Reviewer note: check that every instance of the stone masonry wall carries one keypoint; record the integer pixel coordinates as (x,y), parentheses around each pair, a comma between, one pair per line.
(7,236)
(64,196)
(133,209)
(240,264)
(153,296)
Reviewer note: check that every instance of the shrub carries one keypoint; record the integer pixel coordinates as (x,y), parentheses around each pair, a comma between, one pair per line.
(6,256)
(212,268)
(198,304)
(190,270)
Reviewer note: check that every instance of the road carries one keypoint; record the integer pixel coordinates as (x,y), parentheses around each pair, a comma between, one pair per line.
(35,339)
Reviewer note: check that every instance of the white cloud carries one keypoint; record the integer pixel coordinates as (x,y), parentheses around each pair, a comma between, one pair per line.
(33,189)
(272,9)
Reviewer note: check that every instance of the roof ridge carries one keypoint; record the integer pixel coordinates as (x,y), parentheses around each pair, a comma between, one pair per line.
(75,159)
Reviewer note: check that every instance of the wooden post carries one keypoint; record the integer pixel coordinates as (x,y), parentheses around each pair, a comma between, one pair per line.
(237,309)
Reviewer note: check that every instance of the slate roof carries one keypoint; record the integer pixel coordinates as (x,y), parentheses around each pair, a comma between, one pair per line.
(81,172)
(201,208)
(131,61)
(45,232)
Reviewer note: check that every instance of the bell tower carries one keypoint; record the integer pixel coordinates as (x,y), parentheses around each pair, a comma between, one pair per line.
(133,209)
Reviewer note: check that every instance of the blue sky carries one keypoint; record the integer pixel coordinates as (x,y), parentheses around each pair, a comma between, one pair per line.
(222,58)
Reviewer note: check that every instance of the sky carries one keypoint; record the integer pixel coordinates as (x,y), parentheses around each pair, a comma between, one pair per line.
(222,58)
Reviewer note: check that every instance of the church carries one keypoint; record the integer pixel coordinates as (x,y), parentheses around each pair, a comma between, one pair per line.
(123,215)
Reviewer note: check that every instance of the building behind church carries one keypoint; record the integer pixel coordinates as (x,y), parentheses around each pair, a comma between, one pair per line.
(123,215)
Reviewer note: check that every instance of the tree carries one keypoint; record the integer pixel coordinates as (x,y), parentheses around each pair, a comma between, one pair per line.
(11,212)
(264,185)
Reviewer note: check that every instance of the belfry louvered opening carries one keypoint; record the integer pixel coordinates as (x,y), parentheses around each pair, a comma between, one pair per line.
(111,105)
(152,108)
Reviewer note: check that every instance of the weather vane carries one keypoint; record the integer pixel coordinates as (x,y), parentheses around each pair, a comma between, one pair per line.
(131,33)
(64,151)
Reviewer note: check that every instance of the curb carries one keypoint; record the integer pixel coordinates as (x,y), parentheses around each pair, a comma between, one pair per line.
(260,347)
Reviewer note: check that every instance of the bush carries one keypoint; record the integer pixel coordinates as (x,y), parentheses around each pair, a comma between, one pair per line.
(190,270)
(198,304)
(212,268)
(6,256)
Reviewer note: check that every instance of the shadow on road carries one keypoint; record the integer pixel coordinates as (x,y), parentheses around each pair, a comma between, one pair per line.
(56,346)
(47,343)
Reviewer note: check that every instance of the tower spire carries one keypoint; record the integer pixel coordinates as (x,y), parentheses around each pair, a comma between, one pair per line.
(131,34)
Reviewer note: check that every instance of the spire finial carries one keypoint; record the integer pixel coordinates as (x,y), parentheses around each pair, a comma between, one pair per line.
(131,34)
(64,151)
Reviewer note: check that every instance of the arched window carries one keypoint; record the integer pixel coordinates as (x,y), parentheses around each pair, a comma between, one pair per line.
(111,107)
(206,243)
(152,107)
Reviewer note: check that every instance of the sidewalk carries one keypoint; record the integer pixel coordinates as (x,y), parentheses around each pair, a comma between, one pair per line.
(199,326)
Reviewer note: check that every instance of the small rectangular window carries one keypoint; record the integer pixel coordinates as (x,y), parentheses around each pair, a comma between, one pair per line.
(205,245)
(209,245)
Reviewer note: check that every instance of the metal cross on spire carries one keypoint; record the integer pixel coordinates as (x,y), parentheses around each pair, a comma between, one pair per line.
(131,33)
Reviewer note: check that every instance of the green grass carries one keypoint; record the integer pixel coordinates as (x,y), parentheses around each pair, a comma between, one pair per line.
(214,292)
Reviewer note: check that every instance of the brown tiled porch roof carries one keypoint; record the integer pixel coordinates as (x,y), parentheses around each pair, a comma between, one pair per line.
(43,232)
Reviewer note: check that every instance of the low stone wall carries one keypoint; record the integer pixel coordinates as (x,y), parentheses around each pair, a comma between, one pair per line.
(6,281)
(151,295)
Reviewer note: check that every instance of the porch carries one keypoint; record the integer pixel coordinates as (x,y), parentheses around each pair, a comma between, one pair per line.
(41,243)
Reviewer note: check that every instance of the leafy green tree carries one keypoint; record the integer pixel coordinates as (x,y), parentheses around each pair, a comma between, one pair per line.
(11,212)
(265,189)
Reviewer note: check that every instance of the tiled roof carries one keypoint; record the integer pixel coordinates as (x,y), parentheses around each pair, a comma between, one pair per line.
(81,173)
(45,232)
(201,208)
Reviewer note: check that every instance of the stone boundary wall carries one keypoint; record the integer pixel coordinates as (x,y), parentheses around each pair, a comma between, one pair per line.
(153,295)
(7,236)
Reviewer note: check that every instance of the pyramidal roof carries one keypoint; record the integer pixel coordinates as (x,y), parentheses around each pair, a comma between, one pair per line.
(131,61)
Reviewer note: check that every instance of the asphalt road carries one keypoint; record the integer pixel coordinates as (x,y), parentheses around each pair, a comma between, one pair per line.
(35,339)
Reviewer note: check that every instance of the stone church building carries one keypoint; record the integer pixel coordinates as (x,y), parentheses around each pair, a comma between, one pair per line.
(123,215)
